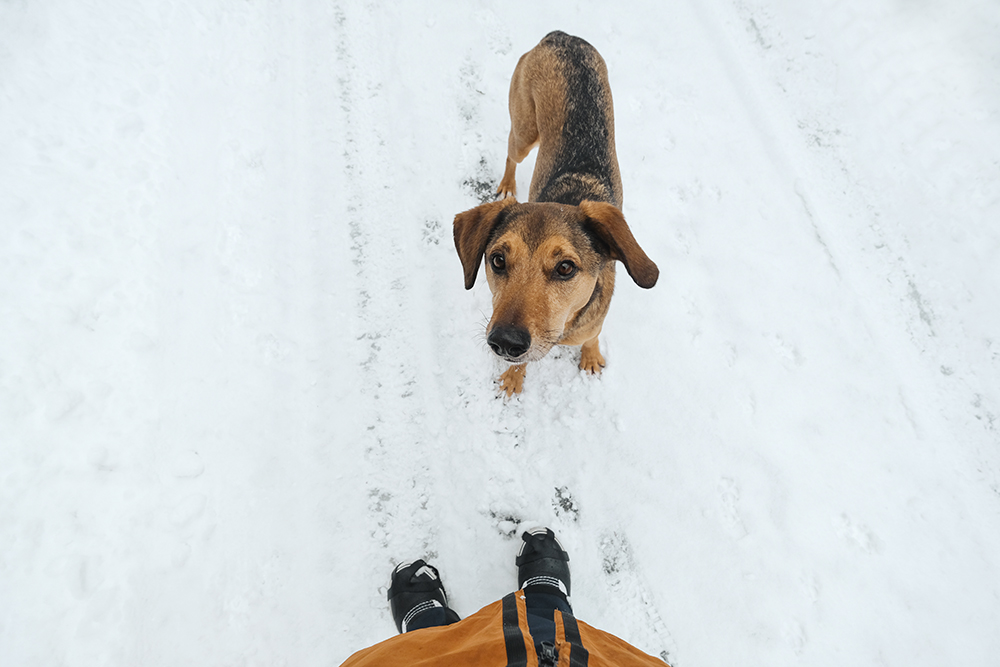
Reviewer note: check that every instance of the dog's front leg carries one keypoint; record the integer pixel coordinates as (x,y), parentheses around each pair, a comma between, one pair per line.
(508,184)
(590,357)
(512,379)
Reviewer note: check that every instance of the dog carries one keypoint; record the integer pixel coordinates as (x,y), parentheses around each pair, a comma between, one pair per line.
(550,263)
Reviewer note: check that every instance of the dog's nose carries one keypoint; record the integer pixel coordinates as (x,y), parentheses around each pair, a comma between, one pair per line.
(509,341)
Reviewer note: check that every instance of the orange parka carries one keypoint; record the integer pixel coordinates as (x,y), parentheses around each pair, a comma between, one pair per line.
(497,636)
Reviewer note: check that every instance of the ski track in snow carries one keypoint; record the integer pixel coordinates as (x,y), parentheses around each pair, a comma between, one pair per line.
(240,378)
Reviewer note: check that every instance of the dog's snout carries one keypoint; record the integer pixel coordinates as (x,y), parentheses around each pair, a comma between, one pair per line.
(509,341)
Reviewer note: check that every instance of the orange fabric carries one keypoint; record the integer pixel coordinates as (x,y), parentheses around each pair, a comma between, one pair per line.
(478,641)
(607,650)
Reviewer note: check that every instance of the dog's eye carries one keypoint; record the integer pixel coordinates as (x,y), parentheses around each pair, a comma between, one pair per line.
(565,269)
(498,262)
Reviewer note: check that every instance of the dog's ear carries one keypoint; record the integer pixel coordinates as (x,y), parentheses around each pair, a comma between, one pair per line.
(472,231)
(608,224)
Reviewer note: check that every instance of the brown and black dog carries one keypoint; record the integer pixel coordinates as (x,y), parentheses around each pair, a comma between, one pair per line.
(550,263)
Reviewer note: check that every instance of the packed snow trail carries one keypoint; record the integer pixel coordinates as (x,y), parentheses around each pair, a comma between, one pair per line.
(240,377)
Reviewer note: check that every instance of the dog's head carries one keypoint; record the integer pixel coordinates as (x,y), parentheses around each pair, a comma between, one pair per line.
(547,265)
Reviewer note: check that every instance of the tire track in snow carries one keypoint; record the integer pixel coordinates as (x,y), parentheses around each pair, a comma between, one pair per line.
(632,597)
(760,116)
(497,424)
(397,478)
(921,301)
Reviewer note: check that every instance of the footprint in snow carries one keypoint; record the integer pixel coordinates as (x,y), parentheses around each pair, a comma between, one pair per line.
(857,535)
(729,497)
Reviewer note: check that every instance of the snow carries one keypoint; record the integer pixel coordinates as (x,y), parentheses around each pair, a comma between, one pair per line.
(240,377)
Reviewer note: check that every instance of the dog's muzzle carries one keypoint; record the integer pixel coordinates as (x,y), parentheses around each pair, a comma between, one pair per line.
(509,341)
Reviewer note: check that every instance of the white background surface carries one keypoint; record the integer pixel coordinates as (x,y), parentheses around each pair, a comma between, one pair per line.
(240,377)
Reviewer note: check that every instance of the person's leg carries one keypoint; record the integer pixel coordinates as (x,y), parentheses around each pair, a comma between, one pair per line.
(432,618)
(541,607)
(543,575)
(417,598)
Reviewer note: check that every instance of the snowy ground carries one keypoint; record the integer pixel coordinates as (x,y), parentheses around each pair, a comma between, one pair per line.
(240,377)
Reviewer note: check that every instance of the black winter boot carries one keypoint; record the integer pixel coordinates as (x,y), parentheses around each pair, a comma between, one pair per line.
(541,561)
(415,589)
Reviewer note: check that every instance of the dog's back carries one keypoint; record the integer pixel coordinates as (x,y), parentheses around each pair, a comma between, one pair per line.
(584,163)
(560,99)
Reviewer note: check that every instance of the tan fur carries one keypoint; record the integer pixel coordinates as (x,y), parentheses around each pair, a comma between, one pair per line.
(534,240)
(537,102)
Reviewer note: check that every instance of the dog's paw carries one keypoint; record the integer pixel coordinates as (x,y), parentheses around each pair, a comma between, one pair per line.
(504,191)
(512,380)
(590,358)
(508,184)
